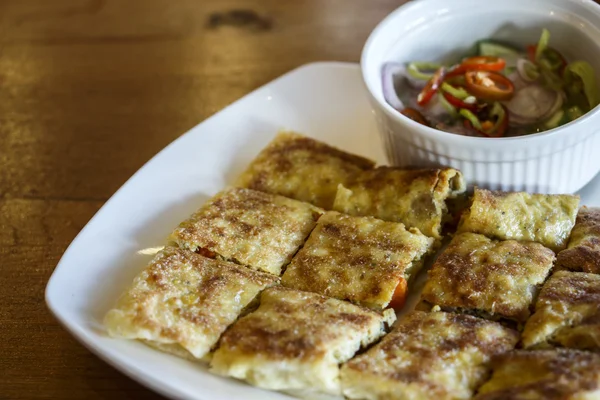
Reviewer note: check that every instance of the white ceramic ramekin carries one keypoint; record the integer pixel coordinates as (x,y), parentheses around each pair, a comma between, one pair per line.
(561,160)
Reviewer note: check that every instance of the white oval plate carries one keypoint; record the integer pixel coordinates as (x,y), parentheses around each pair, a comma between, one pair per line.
(324,100)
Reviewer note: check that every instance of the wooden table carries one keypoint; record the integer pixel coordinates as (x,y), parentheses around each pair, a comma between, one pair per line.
(89,91)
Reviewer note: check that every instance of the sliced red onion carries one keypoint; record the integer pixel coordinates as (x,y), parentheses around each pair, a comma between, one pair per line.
(533,102)
(389,72)
(522,65)
(517,81)
(435,109)
(558,103)
(515,120)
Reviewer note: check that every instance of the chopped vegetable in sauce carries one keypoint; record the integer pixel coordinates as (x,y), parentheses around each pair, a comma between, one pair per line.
(502,91)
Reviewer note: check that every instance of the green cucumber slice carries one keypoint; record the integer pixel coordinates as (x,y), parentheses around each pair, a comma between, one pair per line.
(495,49)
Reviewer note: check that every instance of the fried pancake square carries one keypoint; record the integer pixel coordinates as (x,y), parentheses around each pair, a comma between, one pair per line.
(561,374)
(414,197)
(583,252)
(182,302)
(361,259)
(302,168)
(295,341)
(493,279)
(543,218)
(567,313)
(259,230)
(428,356)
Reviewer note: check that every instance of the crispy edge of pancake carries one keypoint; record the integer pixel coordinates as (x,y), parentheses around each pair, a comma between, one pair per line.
(259,230)
(421,346)
(583,251)
(434,187)
(364,278)
(461,276)
(169,277)
(276,160)
(560,374)
(176,350)
(264,351)
(543,218)
(567,313)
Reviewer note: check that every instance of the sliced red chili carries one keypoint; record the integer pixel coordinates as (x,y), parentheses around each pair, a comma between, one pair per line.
(478,63)
(458,103)
(489,85)
(432,87)
(485,63)
(414,115)
(456,71)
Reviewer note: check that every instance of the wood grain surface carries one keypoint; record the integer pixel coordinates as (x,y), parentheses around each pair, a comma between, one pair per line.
(89,91)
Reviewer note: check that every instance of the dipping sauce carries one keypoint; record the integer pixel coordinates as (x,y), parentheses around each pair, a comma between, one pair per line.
(498,90)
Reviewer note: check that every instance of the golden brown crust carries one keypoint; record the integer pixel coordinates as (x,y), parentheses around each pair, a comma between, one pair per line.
(543,375)
(185,299)
(302,168)
(361,259)
(496,278)
(546,219)
(256,229)
(415,198)
(290,324)
(583,252)
(567,313)
(296,340)
(428,355)
(571,288)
